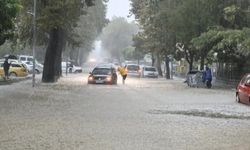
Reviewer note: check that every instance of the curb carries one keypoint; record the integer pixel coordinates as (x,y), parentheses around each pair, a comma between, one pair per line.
(14,80)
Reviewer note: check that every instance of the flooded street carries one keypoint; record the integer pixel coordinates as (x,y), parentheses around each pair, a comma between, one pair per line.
(143,114)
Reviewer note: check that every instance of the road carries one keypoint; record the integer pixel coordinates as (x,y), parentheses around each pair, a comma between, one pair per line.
(144,114)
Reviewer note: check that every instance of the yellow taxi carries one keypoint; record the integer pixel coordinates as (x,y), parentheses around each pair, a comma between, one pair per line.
(17,69)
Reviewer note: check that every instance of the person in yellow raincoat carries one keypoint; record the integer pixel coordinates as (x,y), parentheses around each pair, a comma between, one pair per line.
(123,71)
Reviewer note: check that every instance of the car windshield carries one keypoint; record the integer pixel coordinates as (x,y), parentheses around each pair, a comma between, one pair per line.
(101,71)
(150,69)
(30,59)
(133,67)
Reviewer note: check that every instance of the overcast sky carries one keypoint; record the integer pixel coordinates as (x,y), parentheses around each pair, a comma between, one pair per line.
(119,8)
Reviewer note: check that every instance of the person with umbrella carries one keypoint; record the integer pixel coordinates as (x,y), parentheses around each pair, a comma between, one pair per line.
(6,67)
(8,56)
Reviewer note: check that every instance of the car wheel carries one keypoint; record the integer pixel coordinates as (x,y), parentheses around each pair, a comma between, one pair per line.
(13,74)
(237,98)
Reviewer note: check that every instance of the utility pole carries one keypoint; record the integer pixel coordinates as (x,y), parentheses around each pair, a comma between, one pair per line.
(34,44)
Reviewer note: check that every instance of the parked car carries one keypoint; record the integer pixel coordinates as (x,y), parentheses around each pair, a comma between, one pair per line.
(71,68)
(28,61)
(243,90)
(150,72)
(103,75)
(134,70)
(38,69)
(17,69)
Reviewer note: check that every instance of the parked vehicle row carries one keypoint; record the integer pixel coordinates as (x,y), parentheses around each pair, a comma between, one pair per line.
(135,70)
(17,69)
(107,73)
(28,61)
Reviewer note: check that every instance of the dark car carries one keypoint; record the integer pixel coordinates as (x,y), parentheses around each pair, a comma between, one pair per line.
(103,75)
(243,90)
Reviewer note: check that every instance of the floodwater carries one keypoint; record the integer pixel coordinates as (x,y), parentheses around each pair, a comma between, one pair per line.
(143,114)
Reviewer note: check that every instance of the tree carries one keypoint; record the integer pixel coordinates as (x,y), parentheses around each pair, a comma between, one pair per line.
(129,53)
(8,12)
(58,18)
(167,22)
(156,18)
(225,39)
(56,22)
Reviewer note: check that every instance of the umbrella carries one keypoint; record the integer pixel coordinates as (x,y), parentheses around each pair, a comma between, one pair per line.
(10,56)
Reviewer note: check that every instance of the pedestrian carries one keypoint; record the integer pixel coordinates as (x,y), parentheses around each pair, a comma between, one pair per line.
(6,67)
(123,72)
(207,77)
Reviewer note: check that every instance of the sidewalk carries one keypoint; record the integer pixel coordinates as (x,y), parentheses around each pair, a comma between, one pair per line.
(13,80)
(217,84)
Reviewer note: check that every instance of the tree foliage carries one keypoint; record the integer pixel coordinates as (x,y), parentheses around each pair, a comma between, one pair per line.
(88,28)
(198,27)
(117,36)
(8,12)
(61,24)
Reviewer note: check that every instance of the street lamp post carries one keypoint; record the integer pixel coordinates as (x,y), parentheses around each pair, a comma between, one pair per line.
(34,44)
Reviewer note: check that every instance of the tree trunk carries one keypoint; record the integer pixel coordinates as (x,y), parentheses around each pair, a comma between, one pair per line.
(153,60)
(167,67)
(158,60)
(202,62)
(53,57)
(77,57)
(81,56)
(191,62)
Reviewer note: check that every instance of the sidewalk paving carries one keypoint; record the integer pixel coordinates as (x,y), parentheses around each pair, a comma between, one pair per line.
(13,80)
(217,84)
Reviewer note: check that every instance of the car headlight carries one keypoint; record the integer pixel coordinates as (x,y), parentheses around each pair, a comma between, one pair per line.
(109,78)
(91,78)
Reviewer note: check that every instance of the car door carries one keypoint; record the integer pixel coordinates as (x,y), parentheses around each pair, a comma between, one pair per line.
(244,90)
(247,89)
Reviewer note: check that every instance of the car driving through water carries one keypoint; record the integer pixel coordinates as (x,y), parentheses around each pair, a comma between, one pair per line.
(103,75)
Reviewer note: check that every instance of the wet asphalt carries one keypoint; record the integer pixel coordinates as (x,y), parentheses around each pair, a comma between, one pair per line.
(143,114)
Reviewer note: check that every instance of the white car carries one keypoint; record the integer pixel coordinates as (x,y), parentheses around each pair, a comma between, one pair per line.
(38,67)
(71,68)
(150,72)
(28,61)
